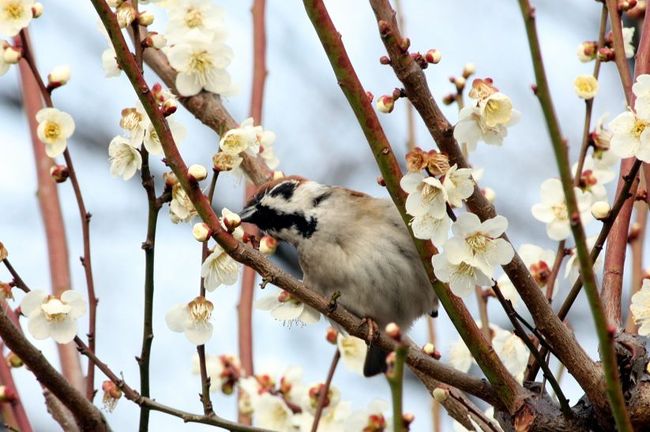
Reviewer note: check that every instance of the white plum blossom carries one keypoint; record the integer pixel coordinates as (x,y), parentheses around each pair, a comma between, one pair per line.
(459,185)
(15,15)
(586,86)
(371,418)
(593,180)
(460,274)
(51,316)
(508,289)
(54,129)
(109,63)
(640,308)
(487,119)
(218,269)
(140,130)
(628,43)
(272,412)
(152,141)
(124,158)
(426,195)
(478,244)
(223,371)
(428,227)
(512,351)
(459,356)
(284,307)
(630,136)
(181,208)
(572,269)
(245,138)
(553,210)
(190,19)
(353,352)
(641,89)
(201,64)
(193,319)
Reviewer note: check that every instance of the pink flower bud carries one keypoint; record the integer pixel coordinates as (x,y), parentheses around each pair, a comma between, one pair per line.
(201,232)
(197,172)
(268,245)
(433,56)
(385,104)
(393,331)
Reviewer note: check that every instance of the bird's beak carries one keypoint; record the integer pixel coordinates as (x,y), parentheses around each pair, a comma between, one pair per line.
(247,213)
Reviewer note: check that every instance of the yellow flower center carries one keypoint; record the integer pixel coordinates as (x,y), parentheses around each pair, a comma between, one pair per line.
(14,10)
(193,18)
(131,119)
(638,128)
(560,211)
(54,309)
(200,62)
(465,269)
(200,309)
(52,131)
(478,242)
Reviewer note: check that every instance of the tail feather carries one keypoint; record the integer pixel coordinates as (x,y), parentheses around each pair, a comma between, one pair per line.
(375,361)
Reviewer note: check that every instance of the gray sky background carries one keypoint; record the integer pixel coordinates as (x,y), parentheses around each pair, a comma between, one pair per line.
(317,137)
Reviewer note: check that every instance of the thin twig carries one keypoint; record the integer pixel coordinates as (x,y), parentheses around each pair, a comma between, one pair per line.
(323,395)
(560,148)
(395,377)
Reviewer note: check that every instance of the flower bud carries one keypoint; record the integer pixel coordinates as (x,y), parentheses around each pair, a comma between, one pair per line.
(12,55)
(468,70)
(145,18)
(429,348)
(393,331)
(13,361)
(5,291)
(585,86)
(59,76)
(125,13)
(625,5)
(3,252)
(606,54)
(433,56)
(587,51)
(277,175)
(331,335)
(460,82)
(197,172)
(268,245)
(600,209)
(201,232)
(170,179)
(440,394)
(647,368)
(449,99)
(114,3)
(407,419)
(155,40)
(37,10)
(385,104)
(231,220)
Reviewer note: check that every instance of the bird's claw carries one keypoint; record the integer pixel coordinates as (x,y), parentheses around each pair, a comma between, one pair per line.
(373,329)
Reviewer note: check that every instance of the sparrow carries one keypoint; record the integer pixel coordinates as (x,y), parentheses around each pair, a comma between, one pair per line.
(348,243)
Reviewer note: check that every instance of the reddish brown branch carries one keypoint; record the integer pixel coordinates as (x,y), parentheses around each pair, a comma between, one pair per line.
(48,199)
(15,405)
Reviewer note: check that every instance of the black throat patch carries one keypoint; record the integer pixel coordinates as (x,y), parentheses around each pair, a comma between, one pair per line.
(268,219)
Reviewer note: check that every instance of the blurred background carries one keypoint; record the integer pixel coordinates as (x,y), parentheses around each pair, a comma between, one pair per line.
(317,137)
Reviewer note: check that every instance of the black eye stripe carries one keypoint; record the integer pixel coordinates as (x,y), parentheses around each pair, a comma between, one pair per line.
(319,199)
(268,219)
(285,189)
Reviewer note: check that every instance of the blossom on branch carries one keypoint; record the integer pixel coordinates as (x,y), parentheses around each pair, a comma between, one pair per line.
(52,316)
(125,159)
(218,269)
(193,319)
(54,129)
(284,307)
(553,210)
(353,352)
(15,15)
(640,308)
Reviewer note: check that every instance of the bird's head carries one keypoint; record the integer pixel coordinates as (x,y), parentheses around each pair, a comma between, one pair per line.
(287,208)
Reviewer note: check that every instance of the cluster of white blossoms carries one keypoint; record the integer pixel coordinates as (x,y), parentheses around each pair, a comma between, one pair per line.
(539,262)
(509,347)
(219,268)
(486,118)
(52,316)
(630,132)
(195,47)
(246,138)
(124,151)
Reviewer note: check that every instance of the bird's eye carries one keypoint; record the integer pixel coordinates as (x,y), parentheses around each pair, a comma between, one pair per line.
(285,190)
